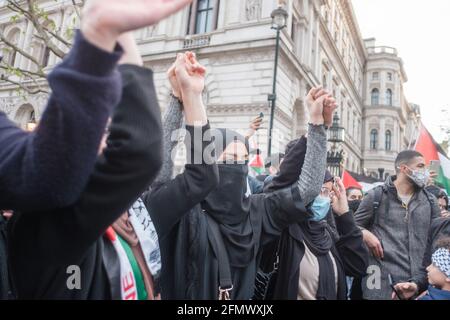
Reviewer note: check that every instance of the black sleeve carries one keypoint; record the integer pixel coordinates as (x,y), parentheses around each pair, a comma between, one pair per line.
(351,247)
(129,163)
(170,202)
(281,208)
(50,167)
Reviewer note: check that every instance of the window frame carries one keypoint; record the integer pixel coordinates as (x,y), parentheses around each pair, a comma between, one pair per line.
(374,102)
(388,142)
(193,16)
(374,139)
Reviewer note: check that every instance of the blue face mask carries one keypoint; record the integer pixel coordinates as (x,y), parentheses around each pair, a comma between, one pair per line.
(320,208)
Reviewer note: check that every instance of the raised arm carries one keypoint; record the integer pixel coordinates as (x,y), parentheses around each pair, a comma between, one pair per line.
(50,168)
(131,159)
(172,122)
(289,204)
(168,203)
(313,171)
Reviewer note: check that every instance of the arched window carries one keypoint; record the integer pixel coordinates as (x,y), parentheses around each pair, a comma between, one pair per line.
(13,38)
(389,97)
(375,97)
(374,139)
(388,145)
(25,116)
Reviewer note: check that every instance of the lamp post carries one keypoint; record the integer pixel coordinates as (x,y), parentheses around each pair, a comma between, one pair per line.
(336,135)
(279,19)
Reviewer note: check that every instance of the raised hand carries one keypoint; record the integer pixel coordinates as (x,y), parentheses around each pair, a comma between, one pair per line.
(315,103)
(255,125)
(329,107)
(104,20)
(176,91)
(190,76)
(339,200)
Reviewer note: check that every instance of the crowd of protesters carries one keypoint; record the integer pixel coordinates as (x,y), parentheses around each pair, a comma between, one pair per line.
(92,209)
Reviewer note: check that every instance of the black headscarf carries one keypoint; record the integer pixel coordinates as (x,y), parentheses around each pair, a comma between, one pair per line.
(317,235)
(228,205)
(291,167)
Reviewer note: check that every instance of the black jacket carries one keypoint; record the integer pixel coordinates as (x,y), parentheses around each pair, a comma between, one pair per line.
(190,268)
(175,211)
(349,251)
(43,245)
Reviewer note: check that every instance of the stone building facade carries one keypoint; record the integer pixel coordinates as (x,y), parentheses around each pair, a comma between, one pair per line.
(321,45)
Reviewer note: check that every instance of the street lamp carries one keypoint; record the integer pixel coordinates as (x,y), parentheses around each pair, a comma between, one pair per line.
(279,20)
(336,135)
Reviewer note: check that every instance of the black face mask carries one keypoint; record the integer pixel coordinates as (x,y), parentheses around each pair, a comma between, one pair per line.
(227,203)
(354,205)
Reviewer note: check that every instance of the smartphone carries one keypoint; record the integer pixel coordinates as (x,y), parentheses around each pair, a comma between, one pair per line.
(435,165)
(335,183)
(392,285)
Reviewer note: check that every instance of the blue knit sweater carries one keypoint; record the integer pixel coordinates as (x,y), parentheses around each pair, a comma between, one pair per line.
(50,167)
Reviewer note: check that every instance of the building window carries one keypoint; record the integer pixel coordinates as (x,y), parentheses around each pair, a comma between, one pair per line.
(203,16)
(389,97)
(375,97)
(46,57)
(324,82)
(13,37)
(375,76)
(389,76)
(374,139)
(388,140)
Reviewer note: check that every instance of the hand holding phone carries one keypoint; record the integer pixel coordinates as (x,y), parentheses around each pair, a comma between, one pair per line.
(392,285)
(435,165)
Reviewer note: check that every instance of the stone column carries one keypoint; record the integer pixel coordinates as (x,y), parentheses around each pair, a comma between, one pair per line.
(25,43)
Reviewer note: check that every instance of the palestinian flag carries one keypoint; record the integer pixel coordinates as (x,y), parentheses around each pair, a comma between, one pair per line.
(349,181)
(427,146)
(257,164)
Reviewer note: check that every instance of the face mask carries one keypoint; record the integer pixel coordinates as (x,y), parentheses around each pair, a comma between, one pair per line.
(320,208)
(226,204)
(419,177)
(354,205)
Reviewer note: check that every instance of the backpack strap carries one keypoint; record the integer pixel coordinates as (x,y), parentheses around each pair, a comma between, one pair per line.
(378,197)
(432,200)
(220,251)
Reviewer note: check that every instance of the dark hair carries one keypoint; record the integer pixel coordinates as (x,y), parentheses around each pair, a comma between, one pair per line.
(405,157)
(438,193)
(442,195)
(443,242)
(347,192)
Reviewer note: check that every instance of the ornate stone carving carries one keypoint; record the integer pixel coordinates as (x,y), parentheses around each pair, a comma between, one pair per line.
(253,10)
(7,106)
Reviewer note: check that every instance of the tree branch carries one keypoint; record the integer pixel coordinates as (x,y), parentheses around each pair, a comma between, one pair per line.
(77,7)
(58,37)
(28,73)
(39,28)
(20,51)
(23,87)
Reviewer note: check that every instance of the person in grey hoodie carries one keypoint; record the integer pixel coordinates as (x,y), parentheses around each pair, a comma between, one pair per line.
(395,219)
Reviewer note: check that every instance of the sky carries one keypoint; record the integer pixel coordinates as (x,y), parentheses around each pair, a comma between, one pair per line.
(420,30)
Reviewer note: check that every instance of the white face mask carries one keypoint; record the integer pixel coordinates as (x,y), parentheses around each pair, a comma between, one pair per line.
(419,177)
